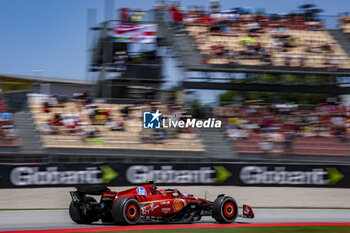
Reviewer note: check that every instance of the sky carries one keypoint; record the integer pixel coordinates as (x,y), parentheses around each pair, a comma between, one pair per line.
(51,35)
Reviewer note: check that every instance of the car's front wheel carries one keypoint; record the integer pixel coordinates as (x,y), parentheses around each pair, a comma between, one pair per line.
(225,209)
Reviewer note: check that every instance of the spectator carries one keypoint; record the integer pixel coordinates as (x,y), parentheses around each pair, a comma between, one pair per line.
(266,146)
(177,19)
(302,61)
(91,134)
(287,60)
(46,128)
(116,125)
(46,107)
(124,15)
(288,140)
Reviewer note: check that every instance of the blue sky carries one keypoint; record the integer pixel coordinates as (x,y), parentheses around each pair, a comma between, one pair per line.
(50,35)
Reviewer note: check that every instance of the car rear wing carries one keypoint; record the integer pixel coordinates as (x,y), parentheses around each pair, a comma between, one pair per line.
(96,189)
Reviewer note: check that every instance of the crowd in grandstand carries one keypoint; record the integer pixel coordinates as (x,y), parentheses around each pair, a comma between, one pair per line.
(8,133)
(240,37)
(345,24)
(92,121)
(276,127)
(69,123)
(7,130)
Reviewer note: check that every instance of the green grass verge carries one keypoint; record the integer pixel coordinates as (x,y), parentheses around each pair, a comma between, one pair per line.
(300,229)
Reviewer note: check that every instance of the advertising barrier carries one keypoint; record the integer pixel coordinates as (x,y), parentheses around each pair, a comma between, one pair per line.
(113,174)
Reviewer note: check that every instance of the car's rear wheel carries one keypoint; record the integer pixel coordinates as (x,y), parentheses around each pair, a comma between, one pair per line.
(83,215)
(126,211)
(225,209)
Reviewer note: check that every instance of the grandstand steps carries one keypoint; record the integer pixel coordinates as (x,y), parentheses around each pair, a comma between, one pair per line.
(341,38)
(215,144)
(183,46)
(179,41)
(30,139)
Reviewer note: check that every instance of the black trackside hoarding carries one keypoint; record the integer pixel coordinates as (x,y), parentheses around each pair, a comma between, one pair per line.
(113,174)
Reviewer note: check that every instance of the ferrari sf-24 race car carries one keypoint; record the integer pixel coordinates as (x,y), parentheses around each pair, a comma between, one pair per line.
(146,203)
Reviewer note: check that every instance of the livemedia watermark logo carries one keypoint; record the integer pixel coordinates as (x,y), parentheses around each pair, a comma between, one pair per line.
(151,120)
(155,120)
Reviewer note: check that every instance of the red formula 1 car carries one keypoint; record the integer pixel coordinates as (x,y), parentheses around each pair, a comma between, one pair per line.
(146,203)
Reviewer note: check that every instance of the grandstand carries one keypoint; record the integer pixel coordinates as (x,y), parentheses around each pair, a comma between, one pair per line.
(234,42)
(128,136)
(285,129)
(108,126)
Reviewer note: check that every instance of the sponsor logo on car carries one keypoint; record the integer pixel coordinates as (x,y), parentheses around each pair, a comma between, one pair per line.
(108,194)
(165,203)
(246,210)
(165,210)
(179,204)
(148,209)
(141,191)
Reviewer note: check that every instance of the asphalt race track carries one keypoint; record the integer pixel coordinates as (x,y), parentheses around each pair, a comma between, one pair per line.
(58,219)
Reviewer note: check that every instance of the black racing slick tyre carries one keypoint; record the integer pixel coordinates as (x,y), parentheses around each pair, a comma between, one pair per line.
(225,209)
(82,216)
(126,211)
